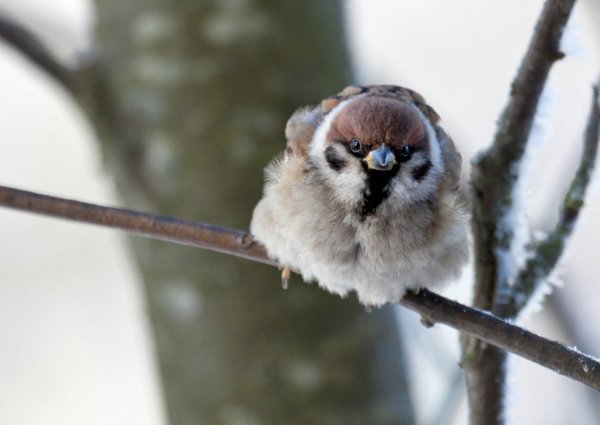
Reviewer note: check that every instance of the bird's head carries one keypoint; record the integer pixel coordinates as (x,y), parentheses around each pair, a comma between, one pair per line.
(374,151)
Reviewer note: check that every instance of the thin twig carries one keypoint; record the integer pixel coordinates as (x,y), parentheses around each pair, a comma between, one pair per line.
(185,232)
(549,250)
(86,81)
(433,308)
(31,47)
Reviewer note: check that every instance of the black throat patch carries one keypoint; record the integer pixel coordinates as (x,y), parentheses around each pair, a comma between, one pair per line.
(377,190)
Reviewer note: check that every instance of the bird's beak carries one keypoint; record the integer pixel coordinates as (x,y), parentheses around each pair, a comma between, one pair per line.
(381,159)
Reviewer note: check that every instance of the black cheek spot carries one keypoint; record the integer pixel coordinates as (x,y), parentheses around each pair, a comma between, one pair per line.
(335,162)
(421,172)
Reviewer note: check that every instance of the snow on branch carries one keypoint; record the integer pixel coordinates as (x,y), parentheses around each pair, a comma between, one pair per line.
(548,251)
(494,178)
(496,170)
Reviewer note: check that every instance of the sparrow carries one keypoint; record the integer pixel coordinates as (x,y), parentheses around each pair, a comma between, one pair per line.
(366,197)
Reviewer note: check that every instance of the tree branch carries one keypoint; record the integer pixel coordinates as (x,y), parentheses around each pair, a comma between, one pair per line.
(493,178)
(185,232)
(503,334)
(32,48)
(432,307)
(86,82)
(548,251)
(496,170)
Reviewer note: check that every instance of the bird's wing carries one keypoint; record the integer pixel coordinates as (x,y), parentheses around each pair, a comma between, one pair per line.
(303,123)
(300,129)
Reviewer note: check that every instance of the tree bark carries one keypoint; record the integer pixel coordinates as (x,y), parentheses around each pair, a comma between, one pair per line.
(194,99)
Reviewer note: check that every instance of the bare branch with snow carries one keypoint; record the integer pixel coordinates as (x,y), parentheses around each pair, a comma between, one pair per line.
(496,170)
(548,251)
(494,178)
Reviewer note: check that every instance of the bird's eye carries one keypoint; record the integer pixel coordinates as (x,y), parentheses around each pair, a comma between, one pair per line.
(355,145)
(406,150)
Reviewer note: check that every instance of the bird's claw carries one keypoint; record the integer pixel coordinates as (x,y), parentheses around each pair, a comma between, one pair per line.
(286,273)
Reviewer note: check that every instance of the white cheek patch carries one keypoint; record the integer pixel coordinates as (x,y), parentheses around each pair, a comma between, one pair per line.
(435,150)
(405,189)
(348,182)
(408,190)
(319,141)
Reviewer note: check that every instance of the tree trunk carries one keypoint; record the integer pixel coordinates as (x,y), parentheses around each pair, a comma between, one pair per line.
(194,101)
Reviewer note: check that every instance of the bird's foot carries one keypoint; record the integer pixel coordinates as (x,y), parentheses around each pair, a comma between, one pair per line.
(286,273)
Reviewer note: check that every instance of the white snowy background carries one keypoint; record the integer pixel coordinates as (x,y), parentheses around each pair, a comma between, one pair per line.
(75,345)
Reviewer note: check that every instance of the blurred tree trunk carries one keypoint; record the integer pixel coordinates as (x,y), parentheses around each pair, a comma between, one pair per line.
(193,106)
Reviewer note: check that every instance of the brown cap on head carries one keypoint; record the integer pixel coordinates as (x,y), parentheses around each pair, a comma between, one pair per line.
(375,120)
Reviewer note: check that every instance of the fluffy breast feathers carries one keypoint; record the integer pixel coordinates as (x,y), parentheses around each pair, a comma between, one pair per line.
(366,198)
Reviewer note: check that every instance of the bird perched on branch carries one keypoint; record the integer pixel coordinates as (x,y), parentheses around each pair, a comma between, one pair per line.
(366,197)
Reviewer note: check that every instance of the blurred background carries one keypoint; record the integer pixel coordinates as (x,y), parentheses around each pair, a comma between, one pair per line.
(188,103)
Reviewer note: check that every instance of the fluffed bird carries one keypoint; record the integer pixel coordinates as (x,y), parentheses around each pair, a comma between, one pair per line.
(366,197)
